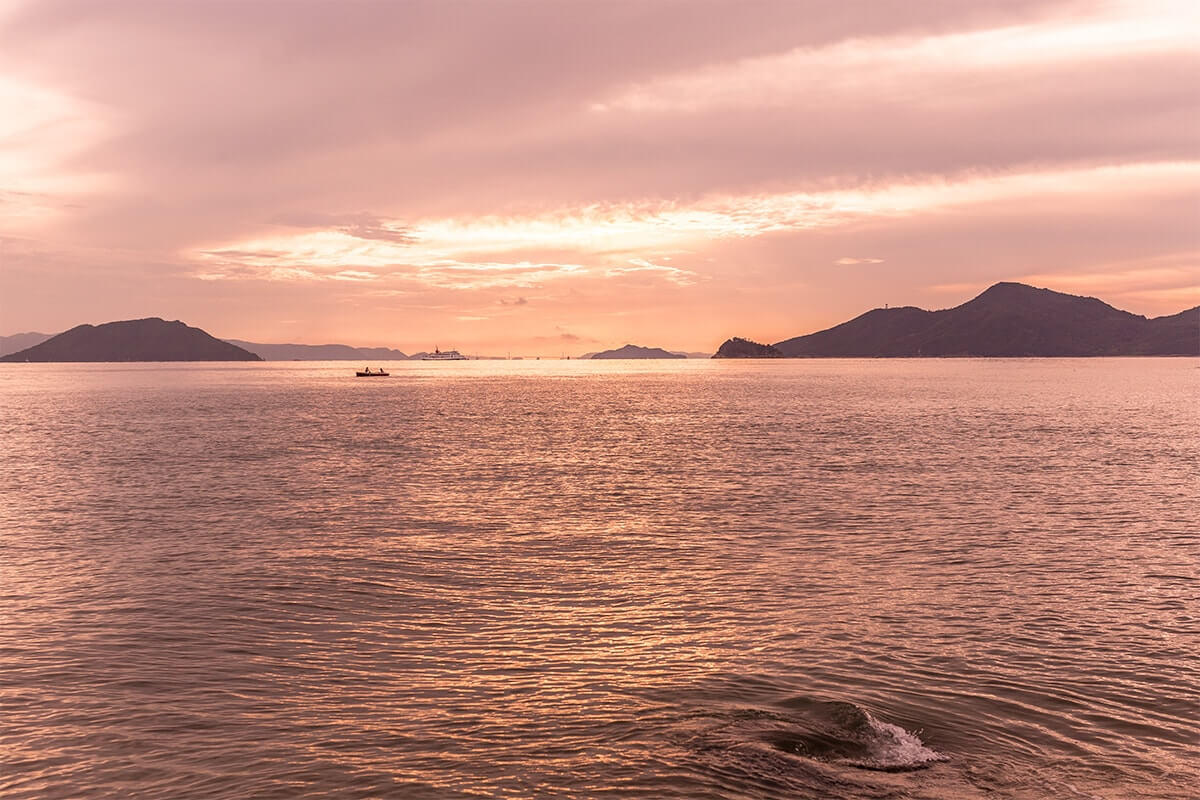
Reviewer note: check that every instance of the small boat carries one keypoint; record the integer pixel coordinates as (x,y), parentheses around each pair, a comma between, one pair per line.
(369,373)
(444,355)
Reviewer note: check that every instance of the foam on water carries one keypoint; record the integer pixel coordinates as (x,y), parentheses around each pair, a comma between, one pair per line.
(893,748)
(840,732)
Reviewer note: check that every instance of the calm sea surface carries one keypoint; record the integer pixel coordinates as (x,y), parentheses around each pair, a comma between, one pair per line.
(945,579)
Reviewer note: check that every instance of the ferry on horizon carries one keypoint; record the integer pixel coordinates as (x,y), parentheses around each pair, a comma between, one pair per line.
(444,355)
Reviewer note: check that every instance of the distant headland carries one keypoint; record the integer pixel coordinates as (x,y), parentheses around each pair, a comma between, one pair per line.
(744,348)
(634,351)
(150,339)
(21,341)
(1007,320)
(319,352)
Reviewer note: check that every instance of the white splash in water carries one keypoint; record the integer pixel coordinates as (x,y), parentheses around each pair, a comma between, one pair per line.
(893,748)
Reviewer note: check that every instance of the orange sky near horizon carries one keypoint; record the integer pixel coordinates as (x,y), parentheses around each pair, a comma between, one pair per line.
(547,178)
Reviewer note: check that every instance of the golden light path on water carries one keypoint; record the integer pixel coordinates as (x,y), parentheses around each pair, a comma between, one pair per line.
(926,578)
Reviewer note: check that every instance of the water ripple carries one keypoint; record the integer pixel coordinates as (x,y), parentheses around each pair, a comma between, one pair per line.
(919,579)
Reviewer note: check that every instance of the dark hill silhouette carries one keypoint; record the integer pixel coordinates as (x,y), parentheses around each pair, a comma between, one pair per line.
(744,348)
(1009,319)
(319,352)
(1165,335)
(150,339)
(633,351)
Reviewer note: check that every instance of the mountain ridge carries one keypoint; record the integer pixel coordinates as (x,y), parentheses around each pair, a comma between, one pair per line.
(21,341)
(148,339)
(636,351)
(318,352)
(1007,319)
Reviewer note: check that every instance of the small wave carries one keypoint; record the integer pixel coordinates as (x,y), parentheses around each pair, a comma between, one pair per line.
(894,748)
(842,733)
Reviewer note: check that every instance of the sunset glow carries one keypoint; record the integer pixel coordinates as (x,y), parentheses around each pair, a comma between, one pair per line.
(763,177)
(635,399)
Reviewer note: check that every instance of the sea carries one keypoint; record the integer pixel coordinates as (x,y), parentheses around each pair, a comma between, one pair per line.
(932,578)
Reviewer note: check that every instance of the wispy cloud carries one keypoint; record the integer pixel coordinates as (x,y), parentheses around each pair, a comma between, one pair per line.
(563,337)
(607,238)
(850,66)
(1172,279)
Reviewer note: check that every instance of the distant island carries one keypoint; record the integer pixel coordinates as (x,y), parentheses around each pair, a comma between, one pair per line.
(151,339)
(633,351)
(1007,320)
(319,352)
(744,348)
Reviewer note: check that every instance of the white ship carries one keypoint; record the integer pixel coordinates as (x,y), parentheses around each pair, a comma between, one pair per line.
(444,355)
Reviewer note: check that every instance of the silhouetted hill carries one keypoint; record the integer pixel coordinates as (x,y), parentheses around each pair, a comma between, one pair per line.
(19,341)
(150,339)
(633,351)
(319,352)
(744,348)
(1165,335)
(1009,319)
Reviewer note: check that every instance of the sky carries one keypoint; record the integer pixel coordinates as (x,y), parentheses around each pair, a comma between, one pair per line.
(552,177)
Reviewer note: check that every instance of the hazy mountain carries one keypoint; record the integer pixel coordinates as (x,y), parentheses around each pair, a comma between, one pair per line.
(19,341)
(633,351)
(319,352)
(744,348)
(1009,319)
(150,339)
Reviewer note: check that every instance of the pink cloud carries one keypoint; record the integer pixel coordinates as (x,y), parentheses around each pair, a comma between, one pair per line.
(447,157)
